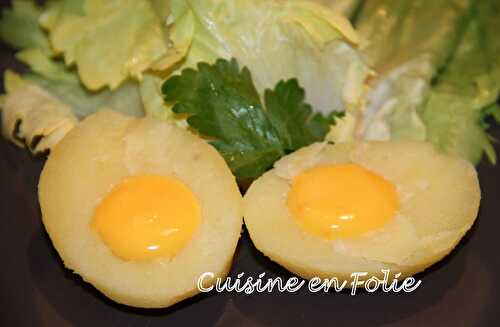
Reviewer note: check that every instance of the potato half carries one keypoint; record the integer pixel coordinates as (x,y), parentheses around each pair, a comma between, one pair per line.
(439,199)
(97,155)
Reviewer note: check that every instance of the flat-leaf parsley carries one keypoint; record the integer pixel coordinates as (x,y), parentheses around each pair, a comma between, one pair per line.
(222,104)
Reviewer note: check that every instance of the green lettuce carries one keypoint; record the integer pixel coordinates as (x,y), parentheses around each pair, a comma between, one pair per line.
(64,84)
(161,8)
(109,41)
(490,115)
(278,40)
(33,117)
(466,92)
(46,66)
(152,99)
(409,43)
(38,110)
(42,105)
(19,26)
(346,7)
(52,75)
(455,128)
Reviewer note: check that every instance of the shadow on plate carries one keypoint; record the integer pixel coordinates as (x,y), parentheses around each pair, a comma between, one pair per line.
(445,280)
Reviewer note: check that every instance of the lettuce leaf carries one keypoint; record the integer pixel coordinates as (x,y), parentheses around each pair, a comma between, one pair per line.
(32,117)
(488,12)
(125,99)
(46,66)
(466,92)
(19,26)
(152,99)
(409,43)
(278,40)
(455,128)
(346,7)
(64,84)
(52,75)
(490,115)
(108,40)
(161,8)
(43,104)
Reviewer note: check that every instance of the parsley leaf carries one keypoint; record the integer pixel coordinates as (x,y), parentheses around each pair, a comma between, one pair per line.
(222,103)
(293,119)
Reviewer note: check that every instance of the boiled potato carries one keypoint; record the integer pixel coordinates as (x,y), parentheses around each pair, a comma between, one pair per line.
(437,202)
(109,152)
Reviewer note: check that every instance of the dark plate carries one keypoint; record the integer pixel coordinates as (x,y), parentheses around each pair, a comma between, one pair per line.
(36,290)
